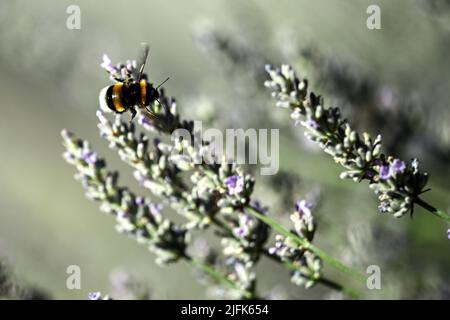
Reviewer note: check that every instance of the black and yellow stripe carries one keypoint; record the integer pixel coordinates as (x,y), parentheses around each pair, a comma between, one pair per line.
(120,97)
(113,98)
(145,88)
(116,97)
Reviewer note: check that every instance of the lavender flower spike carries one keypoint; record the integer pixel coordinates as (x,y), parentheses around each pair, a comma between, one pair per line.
(398,166)
(94,295)
(385,172)
(235,184)
(396,184)
(107,64)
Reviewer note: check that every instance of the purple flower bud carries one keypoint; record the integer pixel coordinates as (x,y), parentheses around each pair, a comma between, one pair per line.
(241,232)
(246,219)
(377,162)
(304,208)
(121,214)
(139,201)
(398,166)
(448,234)
(107,64)
(156,142)
(385,172)
(311,124)
(145,122)
(90,157)
(156,208)
(94,295)
(235,184)
(277,249)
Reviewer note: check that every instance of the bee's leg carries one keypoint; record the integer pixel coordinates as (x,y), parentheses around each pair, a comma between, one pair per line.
(133,113)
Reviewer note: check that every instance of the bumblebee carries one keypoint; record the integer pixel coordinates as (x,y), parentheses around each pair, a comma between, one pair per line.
(131,90)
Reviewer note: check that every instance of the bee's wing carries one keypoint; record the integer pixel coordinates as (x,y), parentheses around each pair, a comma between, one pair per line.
(148,114)
(140,65)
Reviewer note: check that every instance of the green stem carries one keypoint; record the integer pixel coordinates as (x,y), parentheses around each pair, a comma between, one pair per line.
(307,245)
(433,210)
(322,280)
(219,277)
(329,283)
(334,285)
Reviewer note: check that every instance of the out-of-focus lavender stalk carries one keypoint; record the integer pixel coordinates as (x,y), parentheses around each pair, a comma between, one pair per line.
(205,194)
(135,216)
(398,184)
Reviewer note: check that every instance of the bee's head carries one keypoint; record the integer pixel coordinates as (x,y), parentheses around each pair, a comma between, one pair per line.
(104,99)
(154,94)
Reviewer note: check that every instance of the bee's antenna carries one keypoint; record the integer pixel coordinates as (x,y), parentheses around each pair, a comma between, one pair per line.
(162,83)
(141,72)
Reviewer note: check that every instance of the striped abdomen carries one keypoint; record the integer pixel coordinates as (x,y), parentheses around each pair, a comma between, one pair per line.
(120,97)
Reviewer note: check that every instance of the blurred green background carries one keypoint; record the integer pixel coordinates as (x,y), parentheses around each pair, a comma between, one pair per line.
(50,79)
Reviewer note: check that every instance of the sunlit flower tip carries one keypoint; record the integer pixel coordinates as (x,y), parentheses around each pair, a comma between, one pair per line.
(139,176)
(106,59)
(156,208)
(398,166)
(144,121)
(107,64)
(235,184)
(65,133)
(130,65)
(415,164)
(369,174)
(139,201)
(90,157)
(240,270)
(448,234)
(311,124)
(246,219)
(121,214)
(94,295)
(101,117)
(383,207)
(123,73)
(303,208)
(385,172)
(68,156)
(277,248)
